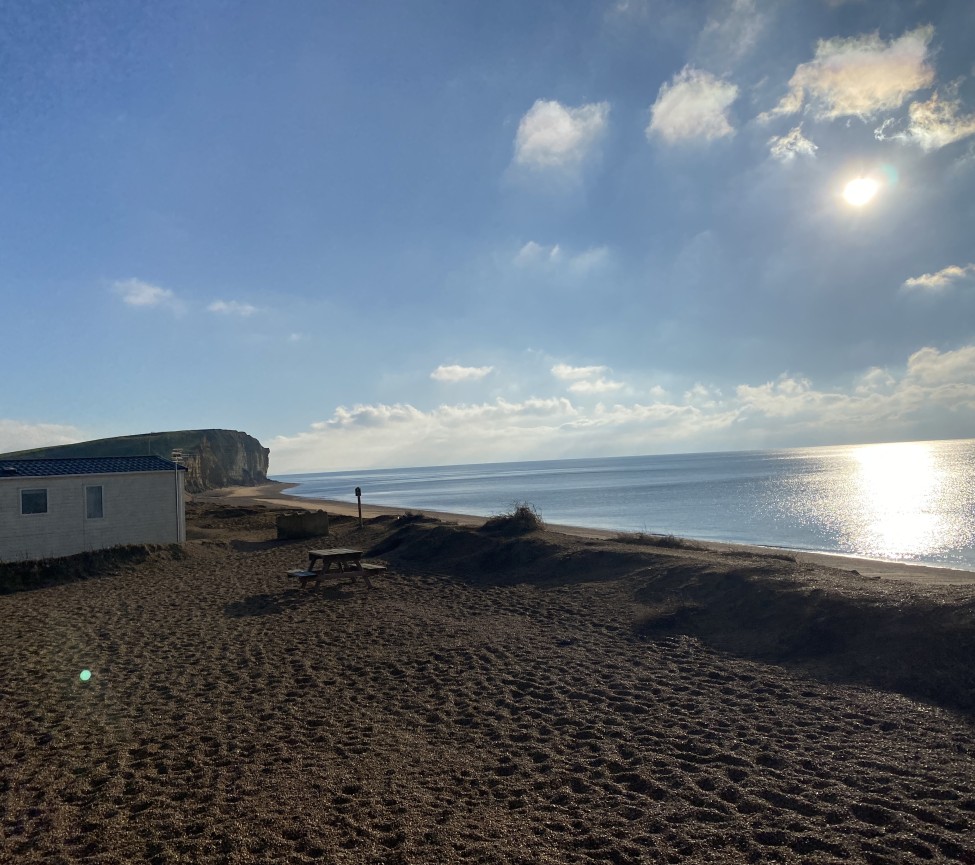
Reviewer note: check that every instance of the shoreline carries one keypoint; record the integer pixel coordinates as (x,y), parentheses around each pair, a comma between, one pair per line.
(274,493)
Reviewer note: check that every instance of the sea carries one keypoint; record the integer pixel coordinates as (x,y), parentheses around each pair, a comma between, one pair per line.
(910,502)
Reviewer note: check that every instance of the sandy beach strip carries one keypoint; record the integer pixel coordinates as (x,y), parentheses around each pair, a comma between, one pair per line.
(274,493)
(451,714)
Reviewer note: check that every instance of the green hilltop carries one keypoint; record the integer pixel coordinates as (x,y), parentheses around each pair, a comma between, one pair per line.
(213,457)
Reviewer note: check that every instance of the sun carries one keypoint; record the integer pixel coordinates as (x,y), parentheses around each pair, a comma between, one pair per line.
(860,191)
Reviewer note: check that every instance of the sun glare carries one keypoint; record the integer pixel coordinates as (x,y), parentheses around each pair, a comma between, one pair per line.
(860,191)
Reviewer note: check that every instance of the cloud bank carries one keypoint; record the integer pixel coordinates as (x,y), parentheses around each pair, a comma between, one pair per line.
(16,435)
(934,387)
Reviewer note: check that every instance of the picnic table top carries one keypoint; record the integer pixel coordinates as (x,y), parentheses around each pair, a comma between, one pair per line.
(334,551)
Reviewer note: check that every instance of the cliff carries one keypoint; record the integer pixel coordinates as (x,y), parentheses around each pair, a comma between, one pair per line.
(213,457)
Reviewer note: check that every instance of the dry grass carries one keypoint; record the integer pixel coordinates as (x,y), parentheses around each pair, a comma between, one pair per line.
(671,542)
(522,519)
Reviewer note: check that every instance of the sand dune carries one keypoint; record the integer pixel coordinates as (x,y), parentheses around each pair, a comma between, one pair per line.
(450,715)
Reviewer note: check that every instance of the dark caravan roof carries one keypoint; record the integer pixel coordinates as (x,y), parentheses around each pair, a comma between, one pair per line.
(84,466)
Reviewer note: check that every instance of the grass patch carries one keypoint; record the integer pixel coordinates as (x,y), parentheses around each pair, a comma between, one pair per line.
(645,539)
(522,519)
(39,573)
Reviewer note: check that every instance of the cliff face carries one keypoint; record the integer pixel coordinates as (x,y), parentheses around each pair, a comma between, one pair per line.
(213,457)
(225,458)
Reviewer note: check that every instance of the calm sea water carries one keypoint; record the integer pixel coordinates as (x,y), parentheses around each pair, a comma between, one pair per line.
(909,501)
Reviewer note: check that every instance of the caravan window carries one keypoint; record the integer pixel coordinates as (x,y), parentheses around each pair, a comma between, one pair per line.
(33,501)
(94,510)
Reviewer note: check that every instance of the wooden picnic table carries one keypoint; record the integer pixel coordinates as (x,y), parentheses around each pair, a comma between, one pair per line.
(342,559)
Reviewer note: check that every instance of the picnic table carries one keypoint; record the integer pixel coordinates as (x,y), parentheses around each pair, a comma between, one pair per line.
(341,559)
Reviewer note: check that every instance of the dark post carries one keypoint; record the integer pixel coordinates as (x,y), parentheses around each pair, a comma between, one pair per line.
(358,495)
(177,458)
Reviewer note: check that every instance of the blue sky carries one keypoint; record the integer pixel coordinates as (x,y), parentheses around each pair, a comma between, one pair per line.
(380,234)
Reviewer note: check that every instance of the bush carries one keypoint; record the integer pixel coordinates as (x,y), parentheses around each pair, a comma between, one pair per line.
(520,520)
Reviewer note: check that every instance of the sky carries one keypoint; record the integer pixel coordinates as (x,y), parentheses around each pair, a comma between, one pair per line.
(430,233)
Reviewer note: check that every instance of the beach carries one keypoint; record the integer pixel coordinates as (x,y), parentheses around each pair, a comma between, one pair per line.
(547,697)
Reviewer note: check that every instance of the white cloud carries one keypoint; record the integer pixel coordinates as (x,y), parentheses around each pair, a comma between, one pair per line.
(598,385)
(534,255)
(575,373)
(936,282)
(371,435)
(794,143)
(232,307)
(931,125)
(135,292)
(873,380)
(932,367)
(657,393)
(552,135)
(934,385)
(18,435)
(455,373)
(586,380)
(694,105)
(859,76)
(784,397)
(703,396)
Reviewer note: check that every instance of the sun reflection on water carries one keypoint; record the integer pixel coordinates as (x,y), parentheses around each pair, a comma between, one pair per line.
(904,501)
(897,488)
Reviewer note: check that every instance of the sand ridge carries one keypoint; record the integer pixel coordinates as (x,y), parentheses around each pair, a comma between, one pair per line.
(231,717)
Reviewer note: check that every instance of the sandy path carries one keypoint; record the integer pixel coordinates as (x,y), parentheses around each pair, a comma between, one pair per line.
(232,718)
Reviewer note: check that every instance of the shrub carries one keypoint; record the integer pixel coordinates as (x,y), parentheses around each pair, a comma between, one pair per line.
(520,520)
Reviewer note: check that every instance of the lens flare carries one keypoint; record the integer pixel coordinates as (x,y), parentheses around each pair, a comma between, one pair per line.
(890,173)
(860,191)
(85,675)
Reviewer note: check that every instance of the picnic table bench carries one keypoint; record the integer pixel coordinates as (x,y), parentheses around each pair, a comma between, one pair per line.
(339,559)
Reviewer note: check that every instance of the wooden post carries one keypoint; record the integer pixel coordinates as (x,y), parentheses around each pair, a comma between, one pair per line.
(177,458)
(358,495)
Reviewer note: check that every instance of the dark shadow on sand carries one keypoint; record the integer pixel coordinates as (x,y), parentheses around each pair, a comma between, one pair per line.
(274,605)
